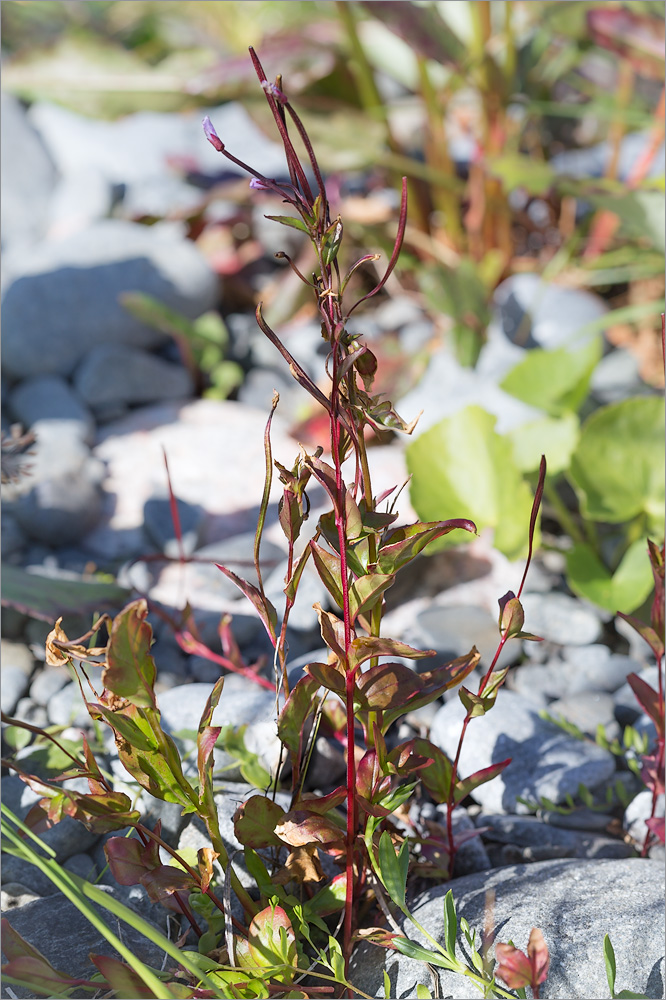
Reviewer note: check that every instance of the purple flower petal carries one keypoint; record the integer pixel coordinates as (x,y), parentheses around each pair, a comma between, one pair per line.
(275,92)
(212,135)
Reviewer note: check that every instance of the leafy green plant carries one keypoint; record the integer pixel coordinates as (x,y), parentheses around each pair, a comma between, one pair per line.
(203,343)
(612,462)
(284,939)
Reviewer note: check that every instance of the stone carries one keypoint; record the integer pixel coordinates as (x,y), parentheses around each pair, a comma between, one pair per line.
(447,387)
(80,199)
(160,529)
(47,683)
(596,670)
(141,146)
(622,898)
(471,855)
(561,619)
(16,654)
(637,812)
(64,936)
(82,865)
(15,683)
(587,710)
(13,540)
(616,377)
(530,833)
(51,397)
(66,707)
(593,161)
(60,501)
(117,375)
(27,711)
(67,292)
(229,435)
(453,630)
(28,177)
(544,760)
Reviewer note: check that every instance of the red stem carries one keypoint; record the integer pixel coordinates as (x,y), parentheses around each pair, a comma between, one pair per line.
(189,644)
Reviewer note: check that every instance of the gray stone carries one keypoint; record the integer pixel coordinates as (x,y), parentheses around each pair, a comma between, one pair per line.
(139,147)
(82,865)
(67,293)
(471,855)
(28,177)
(621,898)
(159,526)
(47,683)
(587,710)
(447,387)
(60,501)
(66,707)
(27,711)
(119,375)
(544,760)
(593,161)
(637,812)
(15,683)
(80,199)
(241,702)
(530,832)
(13,538)
(579,819)
(63,935)
(562,619)
(616,377)
(259,386)
(229,435)
(51,397)
(596,670)
(453,630)
(16,654)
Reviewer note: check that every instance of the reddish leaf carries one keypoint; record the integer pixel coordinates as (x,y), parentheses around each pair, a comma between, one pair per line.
(438,775)
(130,669)
(125,981)
(366,591)
(657,826)
(512,616)
(328,568)
(255,821)
(518,970)
(27,964)
(300,827)
(124,856)
(646,632)
(332,632)
(407,758)
(367,646)
(165,880)
(206,856)
(265,609)
(649,700)
(466,786)
(386,685)
(206,738)
(327,676)
(406,543)
(299,706)
(323,803)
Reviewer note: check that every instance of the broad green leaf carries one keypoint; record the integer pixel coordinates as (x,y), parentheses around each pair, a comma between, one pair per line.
(618,466)
(436,777)
(554,437)
(422,992)
(300,704)
(130,670)
(555,381)
(47,598)
(393,867)
(624,590)
(517,170)
(462,467)
(422,28)
(386,685)
(327,676)
(366,591)
(459,292)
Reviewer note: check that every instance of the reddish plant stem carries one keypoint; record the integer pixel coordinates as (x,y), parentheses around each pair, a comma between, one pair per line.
(189,644)
(187,912)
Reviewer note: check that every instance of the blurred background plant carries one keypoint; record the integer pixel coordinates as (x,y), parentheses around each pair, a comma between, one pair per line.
(531,136)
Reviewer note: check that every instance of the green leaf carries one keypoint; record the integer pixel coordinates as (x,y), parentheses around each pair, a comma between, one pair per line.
(413,950)
(287,220)
(516,170)
(422,992)
(387,986)
(48,599)
(554,437)
(130,669)
(393,868)
(450,924)
(555,381)
(623,591)
(609,958)
(406,543)
(366,591)
(330,899)
(462,467)
(459,292)
(618,466)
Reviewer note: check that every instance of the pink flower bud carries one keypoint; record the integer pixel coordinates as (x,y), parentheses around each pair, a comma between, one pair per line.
(275,92)
(212,135)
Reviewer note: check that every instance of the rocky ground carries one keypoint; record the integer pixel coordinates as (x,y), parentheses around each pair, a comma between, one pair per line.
(107,396)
